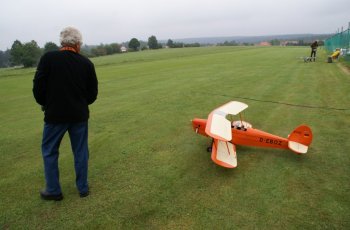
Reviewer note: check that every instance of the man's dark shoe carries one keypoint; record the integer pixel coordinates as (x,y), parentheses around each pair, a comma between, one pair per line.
(84,194)
(47,196)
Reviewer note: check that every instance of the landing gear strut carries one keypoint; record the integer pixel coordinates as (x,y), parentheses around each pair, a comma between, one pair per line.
(209,149)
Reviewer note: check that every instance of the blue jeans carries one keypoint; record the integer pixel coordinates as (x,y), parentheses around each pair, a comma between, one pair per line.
(52,137)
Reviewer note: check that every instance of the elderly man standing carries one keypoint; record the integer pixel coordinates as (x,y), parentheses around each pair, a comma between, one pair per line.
(64,84)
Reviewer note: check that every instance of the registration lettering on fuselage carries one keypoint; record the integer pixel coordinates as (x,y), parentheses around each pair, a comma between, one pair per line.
(270,141)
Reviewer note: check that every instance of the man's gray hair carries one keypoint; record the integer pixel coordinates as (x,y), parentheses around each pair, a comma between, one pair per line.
(70,36)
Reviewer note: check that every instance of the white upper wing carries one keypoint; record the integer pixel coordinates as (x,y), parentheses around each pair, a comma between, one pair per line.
(220,128)
(217,125)
(233,107)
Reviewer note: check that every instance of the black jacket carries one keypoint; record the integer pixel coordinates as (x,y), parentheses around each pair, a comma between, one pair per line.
(65,83)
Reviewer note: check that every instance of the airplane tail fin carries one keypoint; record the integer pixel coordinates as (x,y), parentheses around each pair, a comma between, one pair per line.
(300,139)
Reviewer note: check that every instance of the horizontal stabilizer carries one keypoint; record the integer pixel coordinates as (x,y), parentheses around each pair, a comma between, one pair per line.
(224,154)
(297,147)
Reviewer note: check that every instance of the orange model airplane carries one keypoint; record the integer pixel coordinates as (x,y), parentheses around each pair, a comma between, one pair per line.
(227,134)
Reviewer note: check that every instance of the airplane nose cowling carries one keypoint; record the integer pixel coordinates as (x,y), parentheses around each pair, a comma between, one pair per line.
(198,126)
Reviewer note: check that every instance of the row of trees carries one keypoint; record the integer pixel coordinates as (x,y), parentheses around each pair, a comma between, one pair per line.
(274,42)
(234,43)
(172,44)
(153,43)
(134,44)
(101,50)
(303,43)
(28,54)
(25,54)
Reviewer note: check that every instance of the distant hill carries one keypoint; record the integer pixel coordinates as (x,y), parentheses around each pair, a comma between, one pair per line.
(253,39)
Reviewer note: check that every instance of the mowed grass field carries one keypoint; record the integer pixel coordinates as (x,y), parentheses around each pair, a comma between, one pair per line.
(149,170)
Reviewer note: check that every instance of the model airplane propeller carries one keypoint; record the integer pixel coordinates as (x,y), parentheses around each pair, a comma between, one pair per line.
(226,135)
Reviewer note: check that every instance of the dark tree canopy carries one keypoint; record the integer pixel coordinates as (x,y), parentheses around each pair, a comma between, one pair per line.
(170,43)
(134,44)
(152,42)
(16,53)
(31,54)
(26,54)
(50,46)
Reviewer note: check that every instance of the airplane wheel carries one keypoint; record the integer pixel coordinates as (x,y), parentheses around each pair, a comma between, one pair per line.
(209,149)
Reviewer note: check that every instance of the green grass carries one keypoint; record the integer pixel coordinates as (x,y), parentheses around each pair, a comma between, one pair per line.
(149,170)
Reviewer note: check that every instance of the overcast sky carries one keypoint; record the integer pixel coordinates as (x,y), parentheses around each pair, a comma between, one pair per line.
(109,21)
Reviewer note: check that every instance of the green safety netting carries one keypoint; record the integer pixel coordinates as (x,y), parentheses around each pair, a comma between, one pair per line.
(340,40)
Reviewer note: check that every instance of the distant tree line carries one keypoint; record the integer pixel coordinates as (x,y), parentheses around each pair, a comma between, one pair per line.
(136,45)
(101,50)
(274,42)
(172,44)
(302,43)
(24,54)
(234,43)
(28,54)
